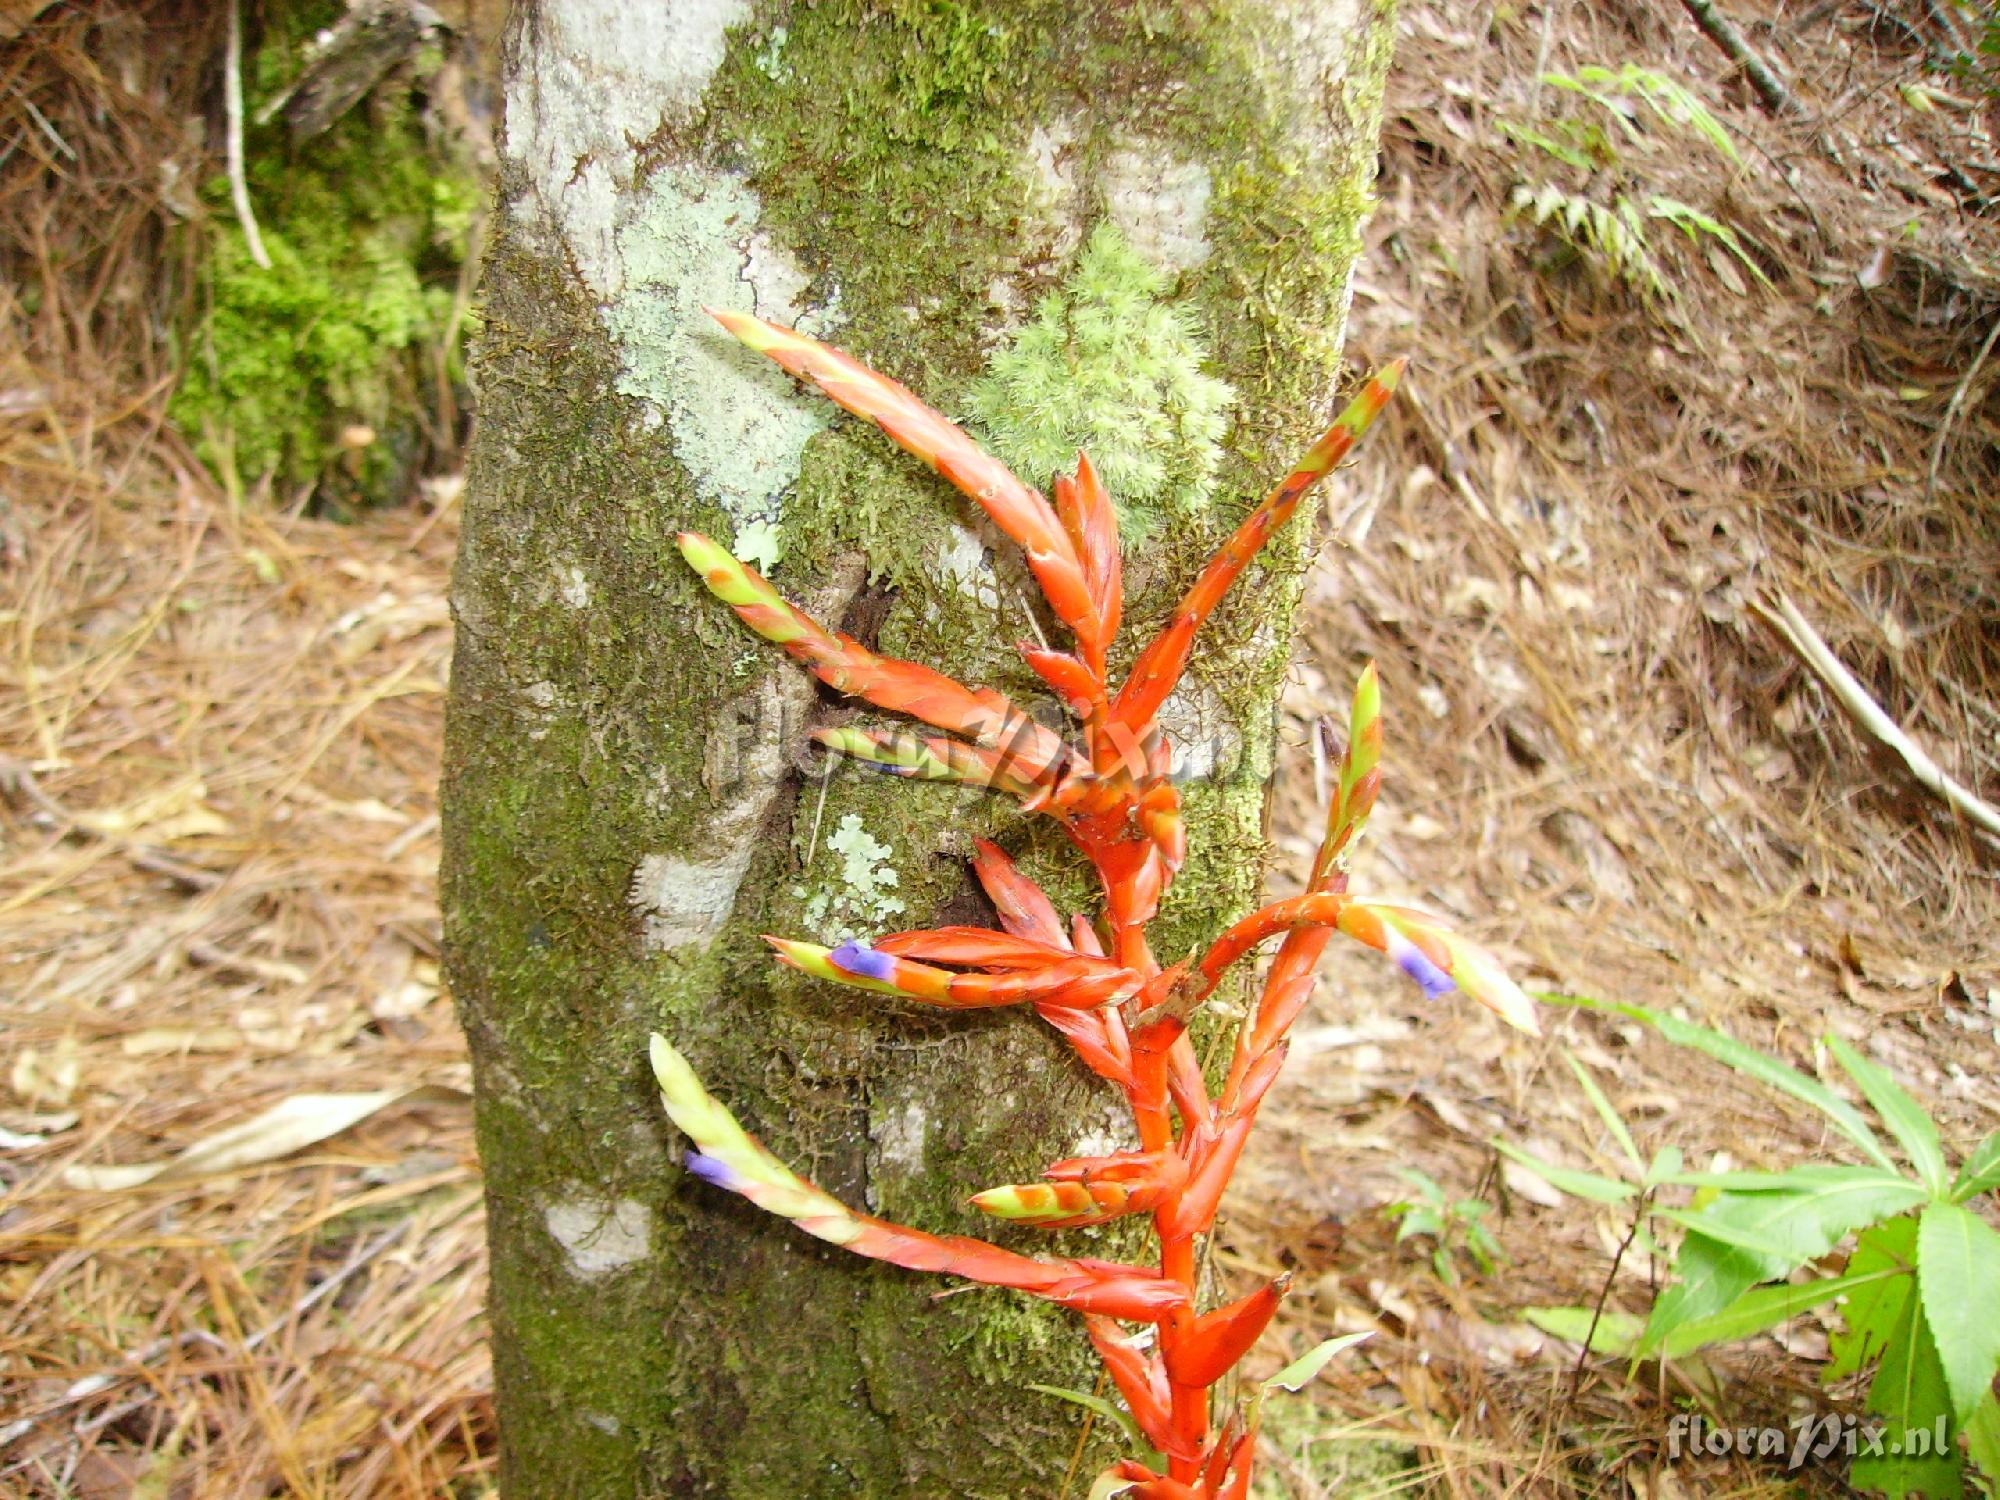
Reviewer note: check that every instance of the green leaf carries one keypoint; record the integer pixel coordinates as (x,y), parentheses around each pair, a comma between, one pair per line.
(1712,1275)
(1914,1130)
(1982,1438)
(1797,1180)
(1577,1184)
(1768,1247)
(1666,1164)
(1613,1122)
(1765,1307)
(1909,1390)
(1102,1407)
(1615,1333)
(1741,1239)
(1560,150)
(1958,1276)
(1419,1221)
(1795,1226)
(1300,1372)
(1752,1063)
(1871,1314)
(1980,1172)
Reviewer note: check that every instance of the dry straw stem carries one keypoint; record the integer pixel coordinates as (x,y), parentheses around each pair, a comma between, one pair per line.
(221,733)
(1802,638)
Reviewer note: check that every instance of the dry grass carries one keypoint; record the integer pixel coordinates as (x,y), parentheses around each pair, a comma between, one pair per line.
(219,733)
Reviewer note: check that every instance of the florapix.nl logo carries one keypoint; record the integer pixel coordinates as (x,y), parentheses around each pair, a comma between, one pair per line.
(1812,1437)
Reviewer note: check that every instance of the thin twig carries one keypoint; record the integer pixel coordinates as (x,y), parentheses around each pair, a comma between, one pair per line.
(1719,29)
(232,109)
(1639,1213)
(1784,616)
(1951,411)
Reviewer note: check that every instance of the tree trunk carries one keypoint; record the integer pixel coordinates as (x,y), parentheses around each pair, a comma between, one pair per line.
(628,804)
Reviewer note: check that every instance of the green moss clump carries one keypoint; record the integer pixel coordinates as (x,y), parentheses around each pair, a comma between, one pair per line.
(366,228)
(1110,367)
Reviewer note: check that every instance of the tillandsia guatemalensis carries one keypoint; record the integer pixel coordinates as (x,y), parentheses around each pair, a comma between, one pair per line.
(1096,981)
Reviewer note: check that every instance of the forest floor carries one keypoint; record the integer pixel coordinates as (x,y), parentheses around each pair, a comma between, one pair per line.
(241,1236)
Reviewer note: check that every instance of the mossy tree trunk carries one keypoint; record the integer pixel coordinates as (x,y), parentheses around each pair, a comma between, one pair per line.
(628,803)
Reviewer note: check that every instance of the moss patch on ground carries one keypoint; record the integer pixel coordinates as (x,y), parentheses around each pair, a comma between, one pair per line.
(354,324)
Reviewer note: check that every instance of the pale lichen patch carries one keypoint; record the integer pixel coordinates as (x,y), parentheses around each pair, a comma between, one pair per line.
(593,78)
(966,566)
(1161,202)
(899,1136)
(687,897)
(689,239)
(684,901)
(1207,742)
(599,1236)
(860,899)
(572,587)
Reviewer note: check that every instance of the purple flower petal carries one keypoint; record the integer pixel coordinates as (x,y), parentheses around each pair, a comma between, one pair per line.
(713,1170)
(1417,964)
(859,958)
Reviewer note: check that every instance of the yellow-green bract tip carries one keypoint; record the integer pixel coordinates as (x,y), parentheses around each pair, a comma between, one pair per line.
(752,331)
(679,1087)
(703,554)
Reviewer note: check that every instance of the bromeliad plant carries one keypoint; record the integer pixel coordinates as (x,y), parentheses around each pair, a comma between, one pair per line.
(1098,983)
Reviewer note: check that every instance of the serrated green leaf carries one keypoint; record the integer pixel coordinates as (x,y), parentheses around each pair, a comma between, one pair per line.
(1300,1372)
(1741,1239)
(1910,1392)
(1958,1277)
(1767,1247)
(1979,1172)
(1982,1438)
(1914,1130)
(1752,1064)
(1794,1226)
(1613,1121)
(1765,1307)
(1615,1331)
(1586,1185)
(1871,1314)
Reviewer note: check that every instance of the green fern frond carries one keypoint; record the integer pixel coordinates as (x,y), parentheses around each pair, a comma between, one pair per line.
(1672,102)
(1615,234)
(1694,224)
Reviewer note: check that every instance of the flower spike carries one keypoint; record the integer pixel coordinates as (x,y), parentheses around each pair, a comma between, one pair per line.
(1160,665)
(1093,979)
(981,715)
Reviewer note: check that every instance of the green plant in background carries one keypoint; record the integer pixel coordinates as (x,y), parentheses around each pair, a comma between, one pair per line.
(1981,65)
(1920,1290)
(1452,1224)
(1608,217)
(335,365)
(1108,367)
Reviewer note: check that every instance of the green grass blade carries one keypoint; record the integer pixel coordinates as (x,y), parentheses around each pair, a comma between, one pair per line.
(1914,1130)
